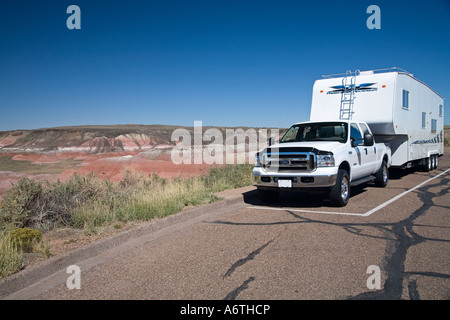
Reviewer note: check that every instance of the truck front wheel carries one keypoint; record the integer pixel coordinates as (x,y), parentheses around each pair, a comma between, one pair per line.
(382,176)
(340,192)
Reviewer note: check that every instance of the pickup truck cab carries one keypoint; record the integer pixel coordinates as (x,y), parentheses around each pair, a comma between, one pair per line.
(330,156)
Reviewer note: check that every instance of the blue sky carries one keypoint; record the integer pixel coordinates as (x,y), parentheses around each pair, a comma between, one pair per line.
(226,63)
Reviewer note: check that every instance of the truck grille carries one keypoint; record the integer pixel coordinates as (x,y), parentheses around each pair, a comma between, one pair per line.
(289,161)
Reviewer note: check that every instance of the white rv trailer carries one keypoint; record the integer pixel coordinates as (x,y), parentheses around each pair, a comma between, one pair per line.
(401,111)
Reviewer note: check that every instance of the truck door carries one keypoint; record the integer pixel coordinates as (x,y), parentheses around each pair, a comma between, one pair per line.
(359,158)
(370,152)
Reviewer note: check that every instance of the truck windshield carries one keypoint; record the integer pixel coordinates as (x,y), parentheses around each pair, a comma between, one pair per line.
(323,131)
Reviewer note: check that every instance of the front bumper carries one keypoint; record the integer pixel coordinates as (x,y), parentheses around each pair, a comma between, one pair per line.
(320,178)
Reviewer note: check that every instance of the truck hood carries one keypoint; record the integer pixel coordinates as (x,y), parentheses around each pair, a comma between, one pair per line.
(319,145)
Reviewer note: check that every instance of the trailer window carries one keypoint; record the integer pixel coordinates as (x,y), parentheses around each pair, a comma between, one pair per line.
(441,110)
(424,120)
(433,125)
(405,100)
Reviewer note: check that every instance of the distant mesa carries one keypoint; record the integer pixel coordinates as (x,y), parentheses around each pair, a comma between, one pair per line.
(88,139)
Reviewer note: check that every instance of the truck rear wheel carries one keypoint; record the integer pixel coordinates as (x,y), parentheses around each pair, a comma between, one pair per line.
(382,176)
(267,196)
(340,192)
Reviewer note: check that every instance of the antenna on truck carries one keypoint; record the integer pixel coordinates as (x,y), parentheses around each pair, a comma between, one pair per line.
(348,95)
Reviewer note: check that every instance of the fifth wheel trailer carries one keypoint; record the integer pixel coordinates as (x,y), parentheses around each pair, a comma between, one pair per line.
(401,111)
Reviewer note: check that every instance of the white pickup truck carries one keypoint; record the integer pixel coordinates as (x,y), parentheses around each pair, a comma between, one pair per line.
(326,155)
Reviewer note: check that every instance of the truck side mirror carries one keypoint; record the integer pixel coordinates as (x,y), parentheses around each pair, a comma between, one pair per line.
(272,141)
(368,139)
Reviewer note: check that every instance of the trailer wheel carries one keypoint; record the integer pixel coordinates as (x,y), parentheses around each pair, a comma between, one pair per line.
(340,192)
(428,164)
(382,176)
(436,163)
(267,196)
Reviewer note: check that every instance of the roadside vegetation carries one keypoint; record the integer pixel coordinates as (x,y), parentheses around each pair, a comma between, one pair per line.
(90,203)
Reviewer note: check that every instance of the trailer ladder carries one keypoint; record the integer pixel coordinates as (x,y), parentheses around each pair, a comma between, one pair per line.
(348,95)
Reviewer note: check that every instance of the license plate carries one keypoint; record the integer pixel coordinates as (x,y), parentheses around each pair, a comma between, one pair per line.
(284,183)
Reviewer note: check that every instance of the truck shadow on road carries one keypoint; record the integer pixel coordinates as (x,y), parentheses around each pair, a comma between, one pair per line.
(298,199)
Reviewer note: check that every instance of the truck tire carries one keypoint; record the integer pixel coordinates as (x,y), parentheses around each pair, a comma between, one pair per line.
(267,196)
(435,161)
(340,192)
(428,164)
(382,176)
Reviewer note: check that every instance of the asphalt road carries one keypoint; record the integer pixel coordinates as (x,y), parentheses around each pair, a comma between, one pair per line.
(300,248)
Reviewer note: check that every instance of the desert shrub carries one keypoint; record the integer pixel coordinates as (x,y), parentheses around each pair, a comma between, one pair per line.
(44,205)
(131,178)
(19,203)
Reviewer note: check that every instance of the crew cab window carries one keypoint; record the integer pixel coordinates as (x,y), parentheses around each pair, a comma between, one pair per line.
(355,134)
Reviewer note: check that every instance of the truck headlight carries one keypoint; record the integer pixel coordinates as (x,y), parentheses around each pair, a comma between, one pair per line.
(325,160)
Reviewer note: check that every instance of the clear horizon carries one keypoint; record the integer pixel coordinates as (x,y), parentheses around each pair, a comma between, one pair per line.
(225,63)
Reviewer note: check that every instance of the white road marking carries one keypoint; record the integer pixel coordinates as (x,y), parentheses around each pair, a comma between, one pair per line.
(308,211)
(368,213)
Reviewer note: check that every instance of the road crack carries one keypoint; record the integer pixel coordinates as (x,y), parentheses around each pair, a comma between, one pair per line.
(233,294)
(243,261)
